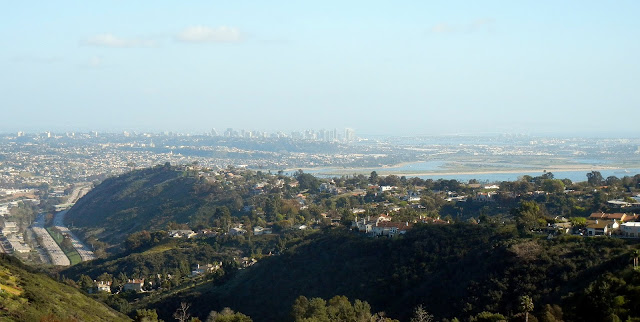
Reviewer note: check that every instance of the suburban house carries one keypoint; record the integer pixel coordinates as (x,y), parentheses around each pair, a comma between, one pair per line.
(601,227)
(134,285)
(246,262)
(103,286)
(390,229)
(237,231)
(380,226)
(630,229)
(209,268)
(484,197)
(615,216)
(9,227)
(258,230)
(180,233)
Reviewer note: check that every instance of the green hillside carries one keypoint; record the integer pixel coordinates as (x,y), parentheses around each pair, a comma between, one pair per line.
(29,296)
(143,199)
(452,270)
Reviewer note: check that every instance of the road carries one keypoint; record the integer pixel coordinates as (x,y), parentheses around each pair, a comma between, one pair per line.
(78,192)
(55,253)
(85,253)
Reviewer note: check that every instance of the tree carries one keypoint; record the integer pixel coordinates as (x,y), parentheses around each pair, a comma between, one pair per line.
(552,313)
(579,222)
(227,315)
(527,216)
(307,181)
(594,178)
(373,178)
(137,239)
(421,315)
(182,312)
(552,185)
(612,181)
(488,317)
(144,315)
(66,243)
(339,309)
(85,282)
(526,306)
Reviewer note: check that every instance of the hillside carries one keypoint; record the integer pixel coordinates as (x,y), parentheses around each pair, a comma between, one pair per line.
(145,199)
(29,296)
(453,270)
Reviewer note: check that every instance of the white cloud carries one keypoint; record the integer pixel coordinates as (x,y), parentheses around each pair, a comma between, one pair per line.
(442,28)
(207,34)
(109,40)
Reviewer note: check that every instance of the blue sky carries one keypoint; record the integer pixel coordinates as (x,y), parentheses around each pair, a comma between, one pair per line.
(380,67)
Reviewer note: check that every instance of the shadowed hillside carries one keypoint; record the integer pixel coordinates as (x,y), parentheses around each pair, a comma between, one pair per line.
(143,199)
(454,271)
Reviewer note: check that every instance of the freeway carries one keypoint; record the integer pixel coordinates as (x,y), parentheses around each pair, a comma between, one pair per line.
(85,253)
(78,192)
(55,253)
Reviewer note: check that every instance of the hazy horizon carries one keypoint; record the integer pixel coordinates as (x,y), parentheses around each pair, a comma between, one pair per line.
(395,69)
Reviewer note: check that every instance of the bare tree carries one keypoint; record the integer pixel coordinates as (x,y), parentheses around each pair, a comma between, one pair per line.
(182,313)
(421,315)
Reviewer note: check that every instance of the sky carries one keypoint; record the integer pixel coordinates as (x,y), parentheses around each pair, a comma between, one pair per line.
(379,67)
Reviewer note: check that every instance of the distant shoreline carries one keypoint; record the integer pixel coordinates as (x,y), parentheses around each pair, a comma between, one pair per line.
(389,170)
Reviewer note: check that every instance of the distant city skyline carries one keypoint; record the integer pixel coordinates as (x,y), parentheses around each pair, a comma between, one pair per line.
(382,68)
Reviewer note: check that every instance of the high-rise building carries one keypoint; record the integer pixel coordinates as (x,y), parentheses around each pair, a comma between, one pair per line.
(349,135)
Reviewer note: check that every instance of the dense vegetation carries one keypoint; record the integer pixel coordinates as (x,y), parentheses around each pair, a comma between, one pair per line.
(26,295)
(143,199)
(459,270)
(485,260)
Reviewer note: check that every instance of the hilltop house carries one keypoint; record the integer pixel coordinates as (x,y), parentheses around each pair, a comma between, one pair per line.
(381,226)
(258,230)
(630,229)
(134,285)
(209,268)
(390,229)
(180,233)
(601,227)
(236,231)
(103,286)
(615,216)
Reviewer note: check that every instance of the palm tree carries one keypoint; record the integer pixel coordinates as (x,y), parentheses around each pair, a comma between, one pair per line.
(526,306)
(635,254)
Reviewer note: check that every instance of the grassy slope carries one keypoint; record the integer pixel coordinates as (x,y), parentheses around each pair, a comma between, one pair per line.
(41,296)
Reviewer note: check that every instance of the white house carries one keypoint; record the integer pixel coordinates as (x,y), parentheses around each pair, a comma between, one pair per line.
(134,285)
(209,268)
(601,228)
(258,230)
(237,231)
(179,233)
(103,286)
(630,229)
